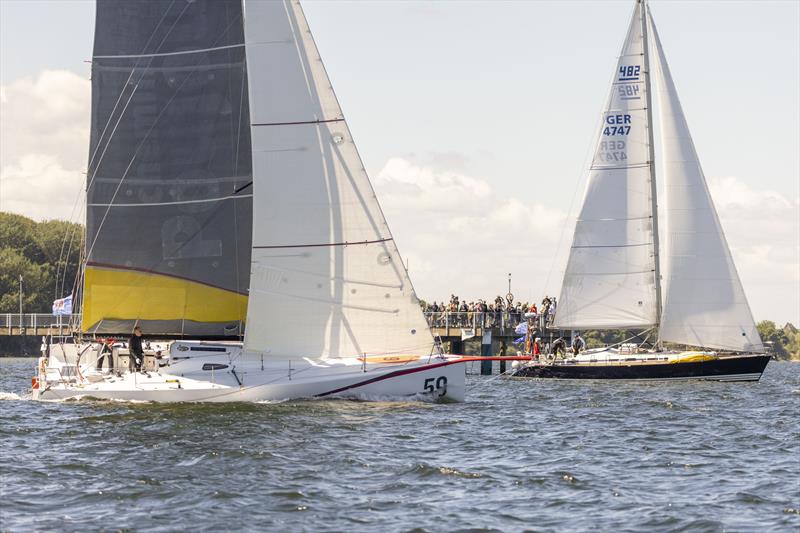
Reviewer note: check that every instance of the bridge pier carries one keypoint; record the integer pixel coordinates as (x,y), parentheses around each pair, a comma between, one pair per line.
(457,347)
(486,351)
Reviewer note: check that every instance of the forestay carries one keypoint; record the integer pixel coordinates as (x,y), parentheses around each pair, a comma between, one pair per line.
(704,302)
(610,277)
(326,279)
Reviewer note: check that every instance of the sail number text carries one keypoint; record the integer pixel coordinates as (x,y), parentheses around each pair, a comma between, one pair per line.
(629,72)
(611,151)
(436,385)
(617,125)
(629,91)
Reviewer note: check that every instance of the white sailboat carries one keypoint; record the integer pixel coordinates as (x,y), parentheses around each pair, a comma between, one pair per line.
(224,177)
(614,277)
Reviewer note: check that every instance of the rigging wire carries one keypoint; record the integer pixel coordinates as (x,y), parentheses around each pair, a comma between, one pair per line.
(97,147)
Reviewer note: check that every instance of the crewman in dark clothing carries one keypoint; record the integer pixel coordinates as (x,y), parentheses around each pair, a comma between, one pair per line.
(559,347)
(135,348)
(578,344)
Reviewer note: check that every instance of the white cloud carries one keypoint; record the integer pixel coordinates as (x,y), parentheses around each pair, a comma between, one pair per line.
(731,194)
(38,186)
(763,231)
(460,235)
(44,136)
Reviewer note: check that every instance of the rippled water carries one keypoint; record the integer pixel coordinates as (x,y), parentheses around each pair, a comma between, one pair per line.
(544,455)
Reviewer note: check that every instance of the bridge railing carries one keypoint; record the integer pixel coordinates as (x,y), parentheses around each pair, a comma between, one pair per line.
(35,320)
(502,320)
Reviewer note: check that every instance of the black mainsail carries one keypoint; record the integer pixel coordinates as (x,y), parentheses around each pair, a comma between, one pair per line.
(169,203)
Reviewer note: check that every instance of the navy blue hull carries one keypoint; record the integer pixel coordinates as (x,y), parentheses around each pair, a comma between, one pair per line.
(738,368)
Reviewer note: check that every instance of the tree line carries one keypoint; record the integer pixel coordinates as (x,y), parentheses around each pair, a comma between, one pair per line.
(784,341)
(46,255)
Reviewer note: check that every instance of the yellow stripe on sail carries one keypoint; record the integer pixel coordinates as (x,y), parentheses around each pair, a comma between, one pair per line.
(112,294)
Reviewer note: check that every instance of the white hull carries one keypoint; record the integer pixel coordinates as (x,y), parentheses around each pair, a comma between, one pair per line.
(238,377)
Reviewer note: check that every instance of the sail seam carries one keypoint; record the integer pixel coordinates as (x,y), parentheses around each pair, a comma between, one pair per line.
(165,54)
(615,245)
(625,167)
(324,276)
(330,302)
(611,219)
(177,202)
(299,123)
(320,245)
(607,273)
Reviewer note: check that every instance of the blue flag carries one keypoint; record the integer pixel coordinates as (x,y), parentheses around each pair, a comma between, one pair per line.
(521,329)
(63,306)
(519,341)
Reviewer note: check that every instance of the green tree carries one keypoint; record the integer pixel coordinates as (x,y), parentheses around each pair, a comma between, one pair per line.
(45,254)
(774,337)
(793,341)
(19,233)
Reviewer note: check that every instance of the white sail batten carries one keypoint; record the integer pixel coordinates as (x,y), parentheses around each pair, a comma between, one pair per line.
(326,279)
(610,276)
(704,302)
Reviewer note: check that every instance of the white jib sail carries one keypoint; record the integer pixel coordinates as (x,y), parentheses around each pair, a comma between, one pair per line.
(610,277)
(704,302)
(326,278)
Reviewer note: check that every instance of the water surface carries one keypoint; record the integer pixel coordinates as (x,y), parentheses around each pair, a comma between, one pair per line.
(518,455)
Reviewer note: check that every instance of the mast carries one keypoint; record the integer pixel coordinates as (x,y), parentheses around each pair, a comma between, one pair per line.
(651,157)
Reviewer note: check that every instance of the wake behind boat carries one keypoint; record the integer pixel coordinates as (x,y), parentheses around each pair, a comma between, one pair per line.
(613,278)
(224,188)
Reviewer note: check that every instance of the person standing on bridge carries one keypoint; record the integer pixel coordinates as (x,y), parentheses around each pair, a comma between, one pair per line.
(551,313)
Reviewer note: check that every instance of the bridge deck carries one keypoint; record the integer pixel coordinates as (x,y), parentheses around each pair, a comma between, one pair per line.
(445,325)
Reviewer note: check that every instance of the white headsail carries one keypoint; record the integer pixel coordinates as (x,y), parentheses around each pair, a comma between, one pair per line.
(327,279)
(610,277)
(704,302)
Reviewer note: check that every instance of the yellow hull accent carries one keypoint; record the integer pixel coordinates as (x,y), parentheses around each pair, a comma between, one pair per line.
(691,357)
(112,294)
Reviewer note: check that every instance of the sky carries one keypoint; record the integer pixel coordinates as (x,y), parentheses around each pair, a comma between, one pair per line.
(475,121)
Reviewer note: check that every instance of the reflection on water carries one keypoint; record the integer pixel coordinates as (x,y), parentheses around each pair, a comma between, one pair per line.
(519,454)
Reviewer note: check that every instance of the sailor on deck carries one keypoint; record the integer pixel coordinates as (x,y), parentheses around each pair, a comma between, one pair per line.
(135,348)
(559,347)
(578,344)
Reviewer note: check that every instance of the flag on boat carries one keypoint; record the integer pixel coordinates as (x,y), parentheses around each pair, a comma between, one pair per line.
(521,329)
(63,306)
